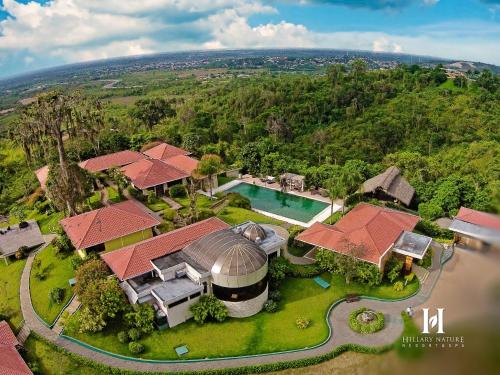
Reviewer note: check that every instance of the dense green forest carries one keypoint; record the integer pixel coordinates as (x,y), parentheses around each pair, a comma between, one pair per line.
(443,134)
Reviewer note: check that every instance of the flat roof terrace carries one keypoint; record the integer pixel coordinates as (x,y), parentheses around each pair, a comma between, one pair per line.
(176,289)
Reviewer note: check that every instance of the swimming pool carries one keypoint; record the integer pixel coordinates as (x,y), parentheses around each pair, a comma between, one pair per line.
(283,204)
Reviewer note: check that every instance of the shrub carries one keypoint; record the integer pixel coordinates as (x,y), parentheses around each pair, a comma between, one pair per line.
(76,261)
(374,326)
(409,278)
(135,193)
(22,252)
(426,261)
(208,307)
(56,295)
(294,231)
(152,198)
(393,268)
(303,270)
(169,214)
(278,269)
(135,347)
(302,322)
(398,286)
(123,337)
(177,191)
(205,213)
(134,334)
(238,200)
(270,306)
(40,275)
(275,295)
(141,317)
(62,244)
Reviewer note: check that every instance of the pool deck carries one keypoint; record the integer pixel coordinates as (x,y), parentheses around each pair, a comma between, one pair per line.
(322,216)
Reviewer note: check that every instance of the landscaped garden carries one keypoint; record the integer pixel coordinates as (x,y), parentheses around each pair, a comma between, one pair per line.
(364,320)
(264,332)
(10,279)
(49,286)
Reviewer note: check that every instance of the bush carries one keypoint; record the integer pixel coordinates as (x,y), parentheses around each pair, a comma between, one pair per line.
(208,307)
(76,261)
(169,214)
(238,200)
(22,252)
(141,317)
(56,295)
(270,306)
(134,334)
(278,269)
(135,347)
(205,213)
(62,245)
(374,326)
(275,295)
(304,270)
(393,268)
(135,193)
(430,210)
(398,286)
(152,198)
(302,322)
(426,261)
(40,275)
(432,230)
(177,191)
(294,231)
(409,278)
(123,337)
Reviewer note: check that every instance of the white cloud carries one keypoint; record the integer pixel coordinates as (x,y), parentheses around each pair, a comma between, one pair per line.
(80,30)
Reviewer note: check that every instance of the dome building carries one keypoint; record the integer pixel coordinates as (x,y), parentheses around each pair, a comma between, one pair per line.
(238,268)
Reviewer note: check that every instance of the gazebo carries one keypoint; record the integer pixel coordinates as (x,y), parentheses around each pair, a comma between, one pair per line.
(292,181)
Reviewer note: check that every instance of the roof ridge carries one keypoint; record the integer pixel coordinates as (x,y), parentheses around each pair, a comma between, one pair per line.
(90,225)
(114,206)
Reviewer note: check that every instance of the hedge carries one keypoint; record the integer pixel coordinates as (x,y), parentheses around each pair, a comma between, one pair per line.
(257,369)
(372,327)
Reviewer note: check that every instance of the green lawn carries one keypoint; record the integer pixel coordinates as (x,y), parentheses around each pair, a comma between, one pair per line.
(113,195)
(49,223)
(221,180)
(236,215)
(53,362)
(202,201)
(10,278)
(58,271)
(299,251)
(264,332)
(159,205)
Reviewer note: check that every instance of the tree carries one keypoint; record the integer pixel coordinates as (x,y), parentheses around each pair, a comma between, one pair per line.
(337,189)
(150,111)
(141,317)
(89,271)
(209,165)
(250,158)
(119,179)
(208,307)
(45,123)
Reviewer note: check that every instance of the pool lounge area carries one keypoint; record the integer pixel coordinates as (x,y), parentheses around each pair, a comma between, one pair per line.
(291,207)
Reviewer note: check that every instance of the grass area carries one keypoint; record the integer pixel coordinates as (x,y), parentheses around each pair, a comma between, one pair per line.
(58,271)
(236,215)
(49,223)
(10,278)
(202,201)
(53,362)
(299,251)
(158,205)
(221,180)
(261,333)
(113,195)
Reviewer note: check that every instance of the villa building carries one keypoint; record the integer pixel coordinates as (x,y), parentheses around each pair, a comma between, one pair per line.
(11,361)
(164,151)
(390,185)
(476,230)
(14,236)
(114,160)
(110,227)
(171,271)
(378,232)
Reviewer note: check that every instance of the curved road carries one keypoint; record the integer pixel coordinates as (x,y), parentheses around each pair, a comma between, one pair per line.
(337,319)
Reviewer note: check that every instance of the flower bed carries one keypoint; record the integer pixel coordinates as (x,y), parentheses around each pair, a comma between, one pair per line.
(364,320)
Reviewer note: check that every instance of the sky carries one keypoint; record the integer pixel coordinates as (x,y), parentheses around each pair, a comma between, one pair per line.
(40,34)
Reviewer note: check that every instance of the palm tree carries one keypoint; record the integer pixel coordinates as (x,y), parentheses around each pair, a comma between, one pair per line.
(336,189)
(209,165)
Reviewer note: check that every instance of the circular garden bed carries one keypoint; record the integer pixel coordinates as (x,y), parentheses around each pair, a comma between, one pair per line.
(364,320)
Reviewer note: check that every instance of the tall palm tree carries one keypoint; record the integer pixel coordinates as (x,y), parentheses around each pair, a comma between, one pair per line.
(209,165)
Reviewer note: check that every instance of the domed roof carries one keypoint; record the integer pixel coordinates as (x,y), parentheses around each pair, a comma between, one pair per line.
(227,253)
(254,231)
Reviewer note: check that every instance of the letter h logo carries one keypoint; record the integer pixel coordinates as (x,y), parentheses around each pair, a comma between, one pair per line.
(433,321)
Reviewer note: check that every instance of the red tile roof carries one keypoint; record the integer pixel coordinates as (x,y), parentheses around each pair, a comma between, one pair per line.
(117,159)
(107,223)
(164,151)
(183,162)
(42,175)
(135,260)
(479,218)
(147,173)
(376,228)
(11,363)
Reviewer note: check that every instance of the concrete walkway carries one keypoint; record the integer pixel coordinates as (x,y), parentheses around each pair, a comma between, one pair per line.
(341,335)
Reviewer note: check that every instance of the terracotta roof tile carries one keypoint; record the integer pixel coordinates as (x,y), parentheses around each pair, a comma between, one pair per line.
(376,228)
(135,260)
(183,162)
(107,223)
(11,362)
(164,151)
(147,173)
(117,159)
(479,218)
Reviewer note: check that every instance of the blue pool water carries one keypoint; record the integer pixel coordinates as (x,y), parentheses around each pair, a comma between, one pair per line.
(283,204)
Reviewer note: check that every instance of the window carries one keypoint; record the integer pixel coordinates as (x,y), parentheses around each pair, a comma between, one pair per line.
(205,287)
(173,304)
(240,294)
(195,295)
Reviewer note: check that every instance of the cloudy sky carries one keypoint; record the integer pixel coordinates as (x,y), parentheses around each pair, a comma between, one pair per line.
(39,34)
